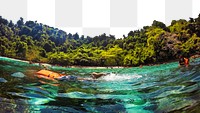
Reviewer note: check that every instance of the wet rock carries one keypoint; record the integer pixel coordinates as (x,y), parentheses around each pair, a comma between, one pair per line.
(18,74)
(2,80)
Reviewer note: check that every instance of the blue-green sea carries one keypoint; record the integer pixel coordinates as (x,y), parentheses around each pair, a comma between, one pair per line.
(160,88)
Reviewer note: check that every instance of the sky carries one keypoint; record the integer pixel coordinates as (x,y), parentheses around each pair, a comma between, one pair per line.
(94,17)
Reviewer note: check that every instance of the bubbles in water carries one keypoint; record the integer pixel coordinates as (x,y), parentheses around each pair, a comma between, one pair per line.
(119,77)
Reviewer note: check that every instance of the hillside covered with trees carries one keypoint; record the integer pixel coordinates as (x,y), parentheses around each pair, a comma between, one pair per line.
(153,44)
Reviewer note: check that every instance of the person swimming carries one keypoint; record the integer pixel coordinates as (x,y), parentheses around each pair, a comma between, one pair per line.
(63,77)
(94,76)
(184,61)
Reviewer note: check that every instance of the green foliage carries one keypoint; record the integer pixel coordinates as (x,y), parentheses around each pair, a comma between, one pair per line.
(156,43)
(178,26)
(59,58)
(159,25)
(192,45)
(153,35)
(113,56)
(21,48)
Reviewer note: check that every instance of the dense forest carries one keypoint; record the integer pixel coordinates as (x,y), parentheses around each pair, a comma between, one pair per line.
(157,43)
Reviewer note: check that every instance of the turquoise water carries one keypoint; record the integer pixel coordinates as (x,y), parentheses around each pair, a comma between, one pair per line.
(160,88)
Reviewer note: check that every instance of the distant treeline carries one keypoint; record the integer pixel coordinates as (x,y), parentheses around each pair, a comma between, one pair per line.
(153,44)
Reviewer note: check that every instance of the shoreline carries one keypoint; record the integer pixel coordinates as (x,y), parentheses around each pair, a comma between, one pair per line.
(46,65)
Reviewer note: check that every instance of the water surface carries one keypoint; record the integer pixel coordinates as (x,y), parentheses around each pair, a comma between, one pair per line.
(160,88)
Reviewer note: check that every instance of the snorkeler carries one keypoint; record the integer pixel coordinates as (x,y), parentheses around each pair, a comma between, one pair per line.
(184,61)
(62,77)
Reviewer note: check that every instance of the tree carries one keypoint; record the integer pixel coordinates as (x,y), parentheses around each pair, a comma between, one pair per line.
(155,43)
(11,24)
(20,22)
(3,21)
(76,36)
(49,46)
(21,48)
(159,25)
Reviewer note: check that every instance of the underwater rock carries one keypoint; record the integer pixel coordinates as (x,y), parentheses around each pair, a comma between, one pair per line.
(18,74)
(3,80)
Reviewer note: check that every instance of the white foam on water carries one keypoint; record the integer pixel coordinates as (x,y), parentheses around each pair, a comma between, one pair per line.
(120,77)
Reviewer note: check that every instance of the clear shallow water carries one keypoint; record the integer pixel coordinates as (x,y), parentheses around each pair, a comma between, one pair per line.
(161,88)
